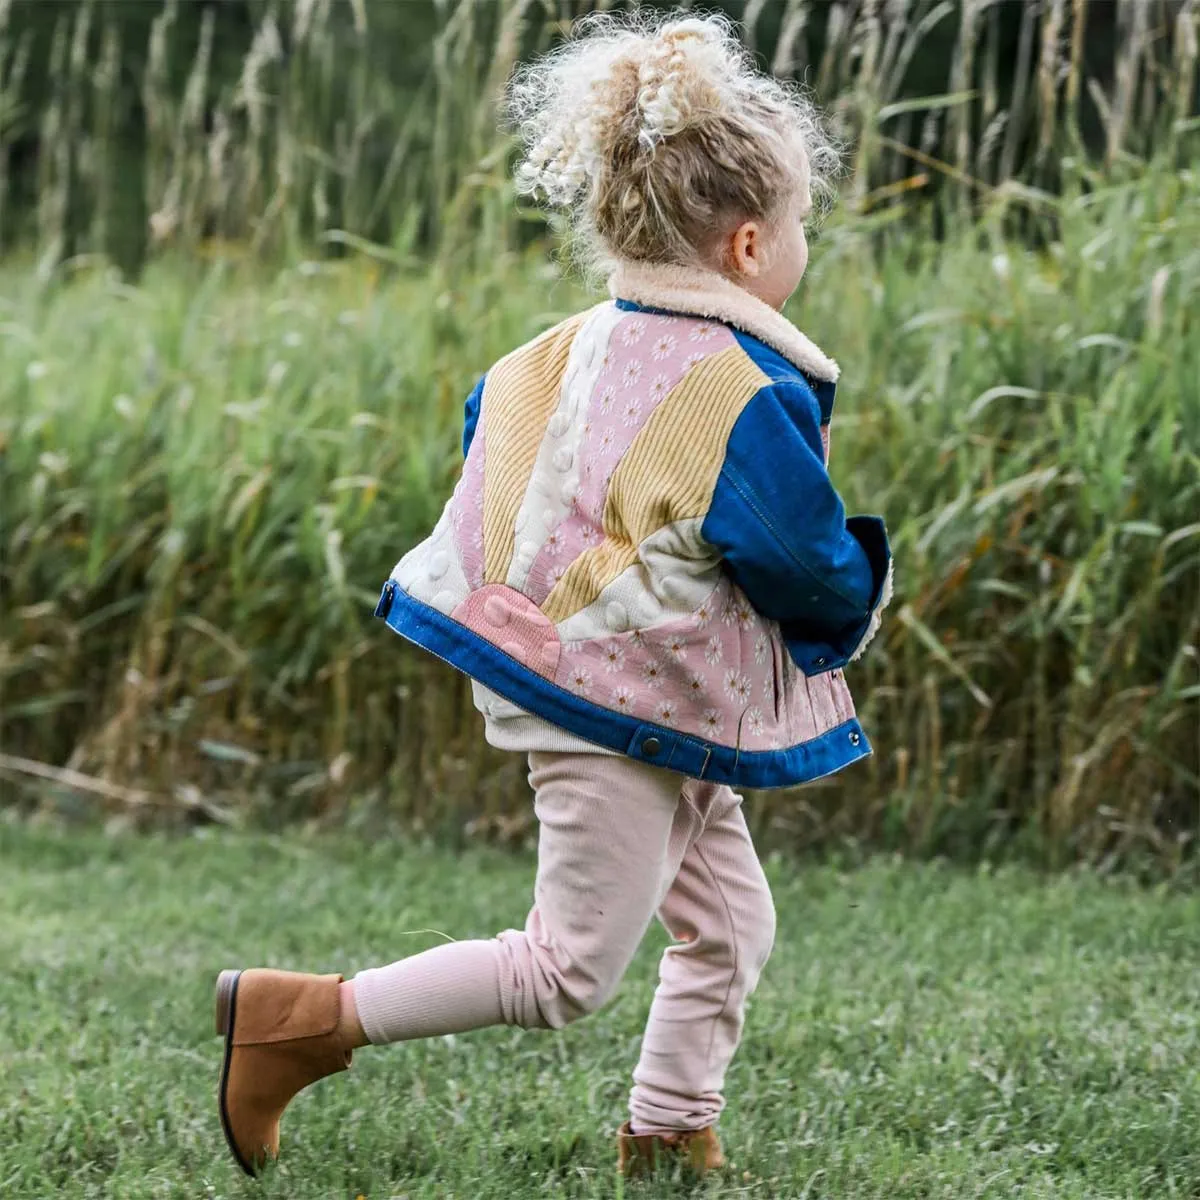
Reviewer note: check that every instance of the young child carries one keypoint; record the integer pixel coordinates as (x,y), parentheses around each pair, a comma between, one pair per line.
(650,579)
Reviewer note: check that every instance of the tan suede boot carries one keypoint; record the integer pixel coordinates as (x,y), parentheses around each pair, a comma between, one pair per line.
(280,1035)
(642,1154)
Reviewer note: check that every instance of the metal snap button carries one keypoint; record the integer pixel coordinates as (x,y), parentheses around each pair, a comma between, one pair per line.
(651,746)
(855,739)
(821,662)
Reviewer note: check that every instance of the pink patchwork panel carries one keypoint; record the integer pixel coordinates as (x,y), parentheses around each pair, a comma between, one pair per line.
(646,358)
(843,701)
(699,674)
(721,674)
(563,545)
(467,510)
(514,623)
(822,704)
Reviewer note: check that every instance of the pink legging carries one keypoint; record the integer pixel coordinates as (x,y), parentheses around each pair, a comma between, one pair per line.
(619,841)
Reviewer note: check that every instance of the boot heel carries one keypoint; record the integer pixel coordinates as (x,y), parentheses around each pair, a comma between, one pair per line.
(227,983)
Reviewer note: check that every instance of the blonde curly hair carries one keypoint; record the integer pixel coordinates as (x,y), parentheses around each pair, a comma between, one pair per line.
(656,134)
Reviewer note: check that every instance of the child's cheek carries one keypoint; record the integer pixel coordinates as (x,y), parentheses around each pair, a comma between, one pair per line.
(801,257)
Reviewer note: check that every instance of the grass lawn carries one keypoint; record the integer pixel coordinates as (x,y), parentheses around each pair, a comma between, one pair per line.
(921,1031)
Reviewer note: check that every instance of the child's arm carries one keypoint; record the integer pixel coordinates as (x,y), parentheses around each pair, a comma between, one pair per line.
(785,537)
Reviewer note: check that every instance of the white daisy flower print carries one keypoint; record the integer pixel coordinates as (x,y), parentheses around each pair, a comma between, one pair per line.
(714,652)
(663,346)
(637,639)
(580,681)
(606,400)
(572,647)
(743,614)
(631,413)
(631,373)
(652,674)
(556,574)
(712,723)
(737,685)
(554,543)
(614,657)
(694,360)
(622,699)
(768,690)
(664,711)
(762,649)
(704,332)
(605,442)
(477,538)
(590,536)
(754,723)
(703,615)
(632,331)
(729,612)
(660,385)
(677,648)
(696,685)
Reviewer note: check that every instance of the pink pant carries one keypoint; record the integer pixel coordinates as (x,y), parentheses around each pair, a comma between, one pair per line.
(619,841)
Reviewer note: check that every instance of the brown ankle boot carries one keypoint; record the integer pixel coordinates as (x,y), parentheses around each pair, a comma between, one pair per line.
(280,1035)
(640,1154)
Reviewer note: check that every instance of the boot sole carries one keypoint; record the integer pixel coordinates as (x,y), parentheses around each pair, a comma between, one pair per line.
(227,988)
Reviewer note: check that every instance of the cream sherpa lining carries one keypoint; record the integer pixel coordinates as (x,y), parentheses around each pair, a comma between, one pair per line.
(707,294)
(877,616)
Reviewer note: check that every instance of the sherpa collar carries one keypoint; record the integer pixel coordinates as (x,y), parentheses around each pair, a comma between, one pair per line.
(708,294)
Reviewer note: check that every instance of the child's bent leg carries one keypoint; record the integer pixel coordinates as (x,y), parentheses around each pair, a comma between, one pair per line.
(720,909)
(609,843)
(449,989)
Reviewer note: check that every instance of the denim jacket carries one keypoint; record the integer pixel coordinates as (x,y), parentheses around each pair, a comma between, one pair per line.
(645,549)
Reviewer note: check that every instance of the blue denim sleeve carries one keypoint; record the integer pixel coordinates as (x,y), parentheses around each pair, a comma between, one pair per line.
(782,529)
(471,416)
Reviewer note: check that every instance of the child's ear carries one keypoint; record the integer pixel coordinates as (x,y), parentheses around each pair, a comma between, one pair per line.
(745,249)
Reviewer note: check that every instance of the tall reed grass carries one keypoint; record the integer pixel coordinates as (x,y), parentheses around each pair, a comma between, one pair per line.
(204,476)
(208,476)
(316,137)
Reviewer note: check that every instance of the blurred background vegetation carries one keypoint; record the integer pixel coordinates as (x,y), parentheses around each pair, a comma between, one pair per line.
(254,252)
(130,123)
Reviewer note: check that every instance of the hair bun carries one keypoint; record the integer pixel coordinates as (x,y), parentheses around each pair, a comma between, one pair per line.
(610,82)
(679,78)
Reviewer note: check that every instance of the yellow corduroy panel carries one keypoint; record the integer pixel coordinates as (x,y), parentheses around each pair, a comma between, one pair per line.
(519,396)
(668,474)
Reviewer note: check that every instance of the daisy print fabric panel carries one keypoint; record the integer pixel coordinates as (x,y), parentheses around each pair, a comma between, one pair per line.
(716,673)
